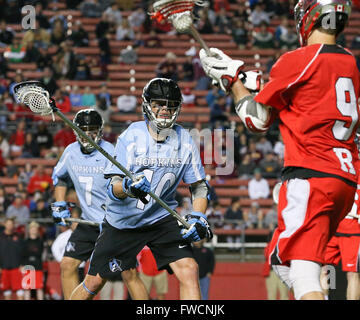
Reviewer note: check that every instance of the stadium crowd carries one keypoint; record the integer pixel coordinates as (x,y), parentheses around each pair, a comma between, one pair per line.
(49,46)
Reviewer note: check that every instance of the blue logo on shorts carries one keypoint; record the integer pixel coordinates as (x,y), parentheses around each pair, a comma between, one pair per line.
(115,265)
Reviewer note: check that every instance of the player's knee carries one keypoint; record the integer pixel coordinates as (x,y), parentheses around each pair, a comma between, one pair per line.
(129,275)
(304,277)
(352,276)
(188,271)
(69,265)
(93,284)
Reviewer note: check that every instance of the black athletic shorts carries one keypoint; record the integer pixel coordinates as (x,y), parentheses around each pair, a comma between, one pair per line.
(116,249)
(82,242)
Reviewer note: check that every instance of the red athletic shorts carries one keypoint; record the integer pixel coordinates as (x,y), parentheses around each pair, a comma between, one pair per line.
(11,279)
(309,212)
(345,246)
(33,280)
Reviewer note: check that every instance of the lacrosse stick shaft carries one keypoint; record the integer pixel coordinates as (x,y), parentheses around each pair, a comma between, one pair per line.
(87,222)
(124,170)
(195,34)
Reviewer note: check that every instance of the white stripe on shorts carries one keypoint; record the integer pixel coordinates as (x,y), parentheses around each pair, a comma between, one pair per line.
(297,195)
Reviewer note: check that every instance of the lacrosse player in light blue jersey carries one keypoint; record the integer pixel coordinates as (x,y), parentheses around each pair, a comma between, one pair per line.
(160,154)
(83,166)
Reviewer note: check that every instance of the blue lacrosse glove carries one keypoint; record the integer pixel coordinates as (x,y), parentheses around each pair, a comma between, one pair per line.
(60,211)
(199,229)
(139,188)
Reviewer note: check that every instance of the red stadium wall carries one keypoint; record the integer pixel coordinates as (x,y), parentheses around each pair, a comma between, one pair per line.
(231,281)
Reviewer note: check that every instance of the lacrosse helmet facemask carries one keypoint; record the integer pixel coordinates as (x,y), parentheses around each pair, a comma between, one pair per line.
(310,14)
(161,103)
(91,122)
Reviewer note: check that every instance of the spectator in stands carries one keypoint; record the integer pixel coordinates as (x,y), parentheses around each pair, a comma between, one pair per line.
(90,9)
(106,24)
(167,68)
(150,275)
(105,52)
(271,220)
(11,246)
(25,173)
(62,101)
(102,108)
(64,137)
(288,40)
(40,181)
(5,201)
(104,93)
(254,216)
(187,72)
(239,33)
(49,81)
(39,36)
(128,55)
(219,111)
(152,40)
(233,219)
(214,215)
(263,39)
(189,98)
(17,139)
(282,28)
(213,94)
(44,58)
(15,52)
(41,209)
(205,259)
(355,44)
(30,148)
(65,61)
(75,96)
(114,13)
(223,22)
(258,15)
(258,187)
(43,137)
(79,36)
(269,166)
(254,153)
(124,31)
(58,32)
(32,53)
(18,210)
(137,18)
(43,20)
(279,148)
(4,145)
(88,98)
(201,79)
(82,68)
(6,34)
(204,25)
(264,145)
(32,256)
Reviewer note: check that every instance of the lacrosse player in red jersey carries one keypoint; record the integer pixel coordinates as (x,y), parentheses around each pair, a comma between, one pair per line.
(314,91)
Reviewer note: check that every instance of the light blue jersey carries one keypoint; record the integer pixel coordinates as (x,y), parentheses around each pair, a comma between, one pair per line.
(164,164)
(86,171)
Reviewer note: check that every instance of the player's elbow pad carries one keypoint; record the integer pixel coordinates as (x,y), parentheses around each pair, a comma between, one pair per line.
(256,117)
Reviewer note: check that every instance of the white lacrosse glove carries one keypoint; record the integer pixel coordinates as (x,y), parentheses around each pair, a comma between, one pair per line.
(221,68)
(251,80)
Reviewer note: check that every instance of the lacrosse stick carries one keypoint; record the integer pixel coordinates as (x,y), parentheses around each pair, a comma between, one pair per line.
(35,95)
(87,222)
(179,13)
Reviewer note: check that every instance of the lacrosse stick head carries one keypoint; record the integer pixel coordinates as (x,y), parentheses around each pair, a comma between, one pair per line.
(178,12)
(34,95)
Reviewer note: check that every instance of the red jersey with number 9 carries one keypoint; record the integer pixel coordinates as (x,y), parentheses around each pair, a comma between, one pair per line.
(315,89)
